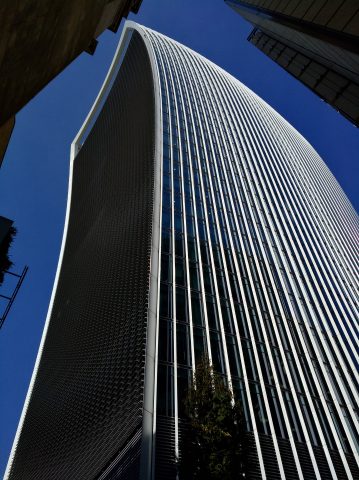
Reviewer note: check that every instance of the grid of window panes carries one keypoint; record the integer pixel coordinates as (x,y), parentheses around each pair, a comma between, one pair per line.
(256,271)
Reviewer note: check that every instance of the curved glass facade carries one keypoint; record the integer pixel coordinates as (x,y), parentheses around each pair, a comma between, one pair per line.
(253,262)
(257,270)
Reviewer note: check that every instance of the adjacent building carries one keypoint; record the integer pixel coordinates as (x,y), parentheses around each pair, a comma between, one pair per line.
(316,42)
(198,222)
(39,39)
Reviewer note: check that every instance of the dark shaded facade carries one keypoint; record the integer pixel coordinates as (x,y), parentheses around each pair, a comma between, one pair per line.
(38,39)
(315,41)
(199,223)
(86,401)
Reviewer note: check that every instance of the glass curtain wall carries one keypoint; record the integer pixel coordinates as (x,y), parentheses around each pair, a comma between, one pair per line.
(256,271)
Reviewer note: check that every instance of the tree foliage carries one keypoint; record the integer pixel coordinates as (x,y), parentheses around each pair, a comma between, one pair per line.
(5,262)
(214,444)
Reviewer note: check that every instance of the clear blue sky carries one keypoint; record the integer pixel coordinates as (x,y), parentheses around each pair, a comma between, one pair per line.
(34,176)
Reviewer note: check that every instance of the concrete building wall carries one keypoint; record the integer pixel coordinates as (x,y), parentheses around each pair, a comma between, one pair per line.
(328,83)
(39,39)
(339,15)
(316,42)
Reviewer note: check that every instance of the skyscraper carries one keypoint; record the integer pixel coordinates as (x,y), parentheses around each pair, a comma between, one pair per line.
(198,221)
(316,42)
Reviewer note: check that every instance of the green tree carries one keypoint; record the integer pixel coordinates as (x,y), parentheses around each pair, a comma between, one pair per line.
(5,262)
(214,444)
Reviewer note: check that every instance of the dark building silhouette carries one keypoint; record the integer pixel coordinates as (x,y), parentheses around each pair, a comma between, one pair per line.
(315,41)
(38,39)
(198,222)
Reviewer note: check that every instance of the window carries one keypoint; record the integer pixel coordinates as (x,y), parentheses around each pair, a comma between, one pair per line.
(234,361)
(199,343)
(165,300)
(217,354)
(212,312)
(166,268)
(197,316)
(181,305)
(183,349)
(165,389)
(165,344)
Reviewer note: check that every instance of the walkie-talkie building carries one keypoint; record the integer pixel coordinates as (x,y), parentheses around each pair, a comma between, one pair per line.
(198,221)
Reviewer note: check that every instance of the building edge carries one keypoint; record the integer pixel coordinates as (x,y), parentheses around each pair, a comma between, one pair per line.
(46,326)
(147,460)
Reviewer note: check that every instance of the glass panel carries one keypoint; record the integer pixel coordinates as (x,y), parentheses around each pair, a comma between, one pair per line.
(194,276)
(166,219)
(217,354)
(165,389)
(183,348)
(166,182)
(183,382)
(199,343)
(165,342)
(212,313)
(181,305)
(259,410)
(233,356)
(166,242)
(204,252)
(197,316)
(208,280)
(165,300)
(166,268)
(241,395)
(192,249)
(227,317)
(178,221)
(179,245)
(180,272)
